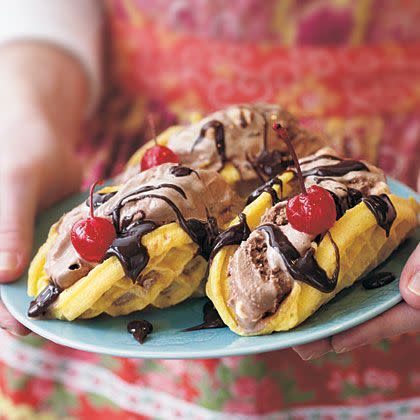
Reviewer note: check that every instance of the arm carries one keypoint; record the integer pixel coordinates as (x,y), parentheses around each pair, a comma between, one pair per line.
(46,88)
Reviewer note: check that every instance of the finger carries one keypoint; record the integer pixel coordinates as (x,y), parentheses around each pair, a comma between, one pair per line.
(17,213)
(8,323)
(398,320)
(313,350)
(410,280)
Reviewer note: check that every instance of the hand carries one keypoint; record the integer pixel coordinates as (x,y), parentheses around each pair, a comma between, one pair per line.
(405,317)
(41,109)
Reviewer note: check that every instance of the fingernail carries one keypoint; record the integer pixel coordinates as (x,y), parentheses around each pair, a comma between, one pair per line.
(8,261)
(312,356)
(414,284)
(307,357)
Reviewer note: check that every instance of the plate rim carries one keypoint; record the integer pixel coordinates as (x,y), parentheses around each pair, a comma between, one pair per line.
(255,348)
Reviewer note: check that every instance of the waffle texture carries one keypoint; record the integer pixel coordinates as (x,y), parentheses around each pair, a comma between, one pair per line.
(362,244)
(173,273)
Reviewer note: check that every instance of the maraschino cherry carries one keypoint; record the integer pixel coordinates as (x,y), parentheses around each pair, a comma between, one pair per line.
(158,154)
(92,237)
(312,211)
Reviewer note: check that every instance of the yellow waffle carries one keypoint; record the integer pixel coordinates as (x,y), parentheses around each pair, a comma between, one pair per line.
(359,239)
(173,273)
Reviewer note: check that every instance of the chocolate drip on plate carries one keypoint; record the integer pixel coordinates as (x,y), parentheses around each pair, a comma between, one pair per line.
(211,319)
(130,251)
(219,138)
(339,169)
(268,188)
(304,268)
(383,210)
(373,281)
(140,329)
(47,297)
(231,236)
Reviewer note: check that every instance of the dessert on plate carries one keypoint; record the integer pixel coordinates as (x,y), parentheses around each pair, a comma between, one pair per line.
(178,216)
(142,243)
(280,260)
(237,142)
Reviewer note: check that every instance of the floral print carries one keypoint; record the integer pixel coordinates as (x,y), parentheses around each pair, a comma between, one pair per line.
(330,62)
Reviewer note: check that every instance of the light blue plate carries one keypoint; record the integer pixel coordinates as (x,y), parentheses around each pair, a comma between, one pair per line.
(108,335)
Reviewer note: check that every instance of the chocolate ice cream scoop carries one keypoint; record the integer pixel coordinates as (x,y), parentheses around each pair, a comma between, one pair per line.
(265,266)
(199,200)
(242,135)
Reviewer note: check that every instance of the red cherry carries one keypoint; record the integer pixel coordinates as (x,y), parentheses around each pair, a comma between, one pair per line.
(92,237)
(157,155)
(313,212)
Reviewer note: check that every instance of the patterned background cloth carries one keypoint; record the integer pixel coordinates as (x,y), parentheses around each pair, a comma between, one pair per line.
(348,68)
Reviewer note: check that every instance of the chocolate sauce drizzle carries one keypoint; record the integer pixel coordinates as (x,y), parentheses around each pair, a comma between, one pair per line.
(319,157)
(375,280)
(350,200)
(306,268)
(243,122)
(126,199)
(128,248)
(339,169)
(179,171)
(231,236)
(140,329)
(211,319)
(268,188)
(47,297)
(219,138)
(270,163)
(383,210)
(99,199)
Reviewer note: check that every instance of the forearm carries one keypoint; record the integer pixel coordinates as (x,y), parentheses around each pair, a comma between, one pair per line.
(39,78)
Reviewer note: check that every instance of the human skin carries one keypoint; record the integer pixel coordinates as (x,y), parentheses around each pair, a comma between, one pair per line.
(41,111)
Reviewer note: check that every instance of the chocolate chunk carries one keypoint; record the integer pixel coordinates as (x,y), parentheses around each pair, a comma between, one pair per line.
(47,297)
(140,329)
(376,280)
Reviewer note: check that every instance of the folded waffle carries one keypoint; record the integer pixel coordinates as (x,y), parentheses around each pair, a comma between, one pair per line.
(164,219)
(265,276)
(237,142)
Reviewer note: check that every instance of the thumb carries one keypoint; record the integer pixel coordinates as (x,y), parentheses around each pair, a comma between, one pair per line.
(410,280)
(17,213)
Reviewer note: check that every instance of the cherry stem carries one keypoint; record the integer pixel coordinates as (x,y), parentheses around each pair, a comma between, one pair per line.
(92,189)
(152,126)
(282,133)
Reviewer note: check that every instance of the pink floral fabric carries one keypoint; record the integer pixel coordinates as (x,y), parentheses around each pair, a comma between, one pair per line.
(348,68)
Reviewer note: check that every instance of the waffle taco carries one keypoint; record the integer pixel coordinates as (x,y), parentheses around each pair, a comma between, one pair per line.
(268,274)
(237,142)
(163,221)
